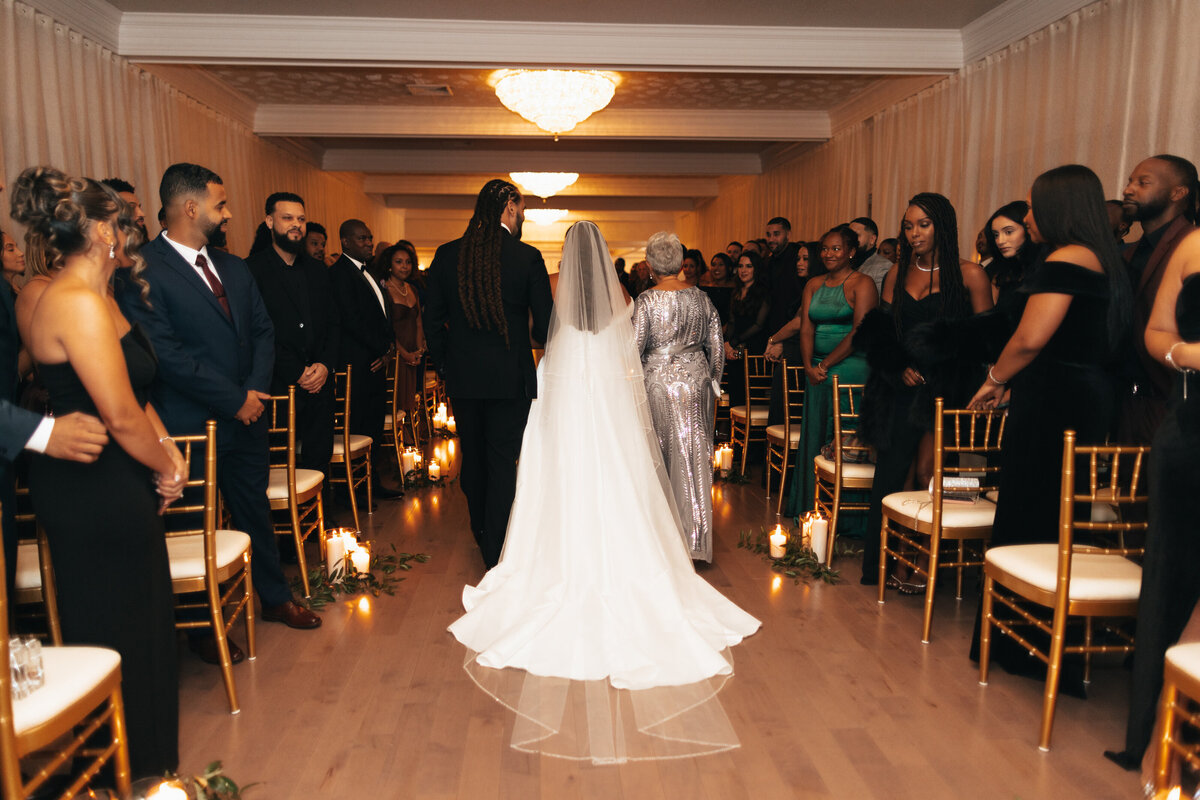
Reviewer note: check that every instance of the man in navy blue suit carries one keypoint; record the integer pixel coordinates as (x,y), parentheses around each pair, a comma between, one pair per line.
(216,349)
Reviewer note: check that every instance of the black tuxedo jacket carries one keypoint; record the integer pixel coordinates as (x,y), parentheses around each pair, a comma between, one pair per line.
(475,363)
(301,306)
(366,329)
(16,424)
(207,361)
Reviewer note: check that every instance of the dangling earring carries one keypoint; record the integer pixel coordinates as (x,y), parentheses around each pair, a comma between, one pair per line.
(112,251)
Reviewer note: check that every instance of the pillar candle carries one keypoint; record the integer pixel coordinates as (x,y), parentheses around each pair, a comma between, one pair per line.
(435,470)
(778,542)
(820,537)
(335,553)
(360,559)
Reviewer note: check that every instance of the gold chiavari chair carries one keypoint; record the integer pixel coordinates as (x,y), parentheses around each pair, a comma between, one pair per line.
(1179,721)
(845,473)
(398,420)
(351,451)
(432,393)
(723,404)
(1087,575)
(206,560)
(81,695)
(290,489)
(917,524)
(35,572)
(748,422)
(782,440)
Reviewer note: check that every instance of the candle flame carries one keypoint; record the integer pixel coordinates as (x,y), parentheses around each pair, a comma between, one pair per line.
(776,584)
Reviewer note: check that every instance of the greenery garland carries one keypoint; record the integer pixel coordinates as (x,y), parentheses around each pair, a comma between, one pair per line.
(381,578)
(799,563)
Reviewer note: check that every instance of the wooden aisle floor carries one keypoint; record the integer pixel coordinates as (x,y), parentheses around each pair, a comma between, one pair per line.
(834,697)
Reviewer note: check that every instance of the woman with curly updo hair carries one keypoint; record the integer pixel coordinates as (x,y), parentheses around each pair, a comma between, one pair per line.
(102,519)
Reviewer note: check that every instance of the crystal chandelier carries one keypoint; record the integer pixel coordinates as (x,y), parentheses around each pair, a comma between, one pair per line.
(545,216)
(543,184)
(555,100)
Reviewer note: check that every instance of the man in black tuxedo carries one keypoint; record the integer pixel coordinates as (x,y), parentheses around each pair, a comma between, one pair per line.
(295,291)
(215,347)
(482,347)
(367,338)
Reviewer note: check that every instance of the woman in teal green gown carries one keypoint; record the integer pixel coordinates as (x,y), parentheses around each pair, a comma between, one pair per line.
(832,308)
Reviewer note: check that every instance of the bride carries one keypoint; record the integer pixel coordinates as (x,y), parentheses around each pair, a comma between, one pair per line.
(594,627)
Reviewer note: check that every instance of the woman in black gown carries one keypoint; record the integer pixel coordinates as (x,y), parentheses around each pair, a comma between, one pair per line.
(929,283)
(102,519)
(1171,566)
(747,326)
(1059,364)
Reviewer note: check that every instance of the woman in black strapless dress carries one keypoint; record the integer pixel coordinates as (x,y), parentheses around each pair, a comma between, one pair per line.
(1059,364)
(1171,566)
(102,519)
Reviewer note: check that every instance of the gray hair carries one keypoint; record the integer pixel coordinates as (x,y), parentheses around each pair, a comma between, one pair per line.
(665,253)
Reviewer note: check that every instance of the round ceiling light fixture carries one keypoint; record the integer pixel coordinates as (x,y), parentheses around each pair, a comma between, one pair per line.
(543,184)
(556,100)
(545,216)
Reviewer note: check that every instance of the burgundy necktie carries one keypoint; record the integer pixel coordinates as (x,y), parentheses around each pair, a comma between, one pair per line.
(215,283)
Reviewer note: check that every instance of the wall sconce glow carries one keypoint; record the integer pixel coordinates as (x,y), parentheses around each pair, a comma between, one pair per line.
(543,184)
(545,216)
(555,100)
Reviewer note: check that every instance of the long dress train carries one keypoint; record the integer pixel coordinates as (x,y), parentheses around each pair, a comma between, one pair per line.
(594,627)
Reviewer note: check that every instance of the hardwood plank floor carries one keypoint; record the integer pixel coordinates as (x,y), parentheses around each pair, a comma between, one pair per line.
(834,697)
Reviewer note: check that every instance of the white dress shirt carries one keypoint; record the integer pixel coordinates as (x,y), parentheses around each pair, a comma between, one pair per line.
(189,255)
(362,270)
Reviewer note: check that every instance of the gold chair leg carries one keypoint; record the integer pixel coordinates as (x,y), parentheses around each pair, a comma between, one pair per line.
(985,630)
(217,620)
(930,585)
(370,482)
(961,557)
(745,444)
(350,489)
(321,524)
(883,533)
(301,561)
(1087,653)
(834,515)
(783,468)
(120,736)
(1053,672)
(1166,733)
(251,636)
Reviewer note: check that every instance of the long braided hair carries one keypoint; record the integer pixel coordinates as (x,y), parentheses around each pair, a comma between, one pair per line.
(479,259)
(955,299)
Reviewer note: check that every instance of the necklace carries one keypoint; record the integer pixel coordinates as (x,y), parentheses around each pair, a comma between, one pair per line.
(402,288)
(925,269)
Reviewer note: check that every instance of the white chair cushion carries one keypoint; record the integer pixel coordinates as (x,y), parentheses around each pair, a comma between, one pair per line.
(857,471)
(358,443)
(306,479)
(186,553)
(1094,576)
(1104,512)
(29,566)
(919,505)
(1186,657)
(758,414)
(71,672)
(775,434)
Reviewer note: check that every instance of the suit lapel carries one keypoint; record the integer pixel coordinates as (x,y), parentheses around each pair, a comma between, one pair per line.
(173,260)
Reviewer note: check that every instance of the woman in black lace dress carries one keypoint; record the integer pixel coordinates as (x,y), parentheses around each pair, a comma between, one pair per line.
(102,519)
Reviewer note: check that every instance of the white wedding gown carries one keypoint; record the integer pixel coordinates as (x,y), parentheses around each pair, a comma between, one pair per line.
(594,627)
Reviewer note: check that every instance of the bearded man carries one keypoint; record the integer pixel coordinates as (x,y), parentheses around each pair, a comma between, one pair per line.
(295,290)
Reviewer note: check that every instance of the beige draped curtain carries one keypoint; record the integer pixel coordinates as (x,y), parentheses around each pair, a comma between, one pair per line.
(1106,86)
(75,105)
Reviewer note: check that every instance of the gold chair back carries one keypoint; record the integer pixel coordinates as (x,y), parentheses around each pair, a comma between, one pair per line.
(31,541)
(749,422)
(829,485)
(305,509)
(780,446)
(353,465)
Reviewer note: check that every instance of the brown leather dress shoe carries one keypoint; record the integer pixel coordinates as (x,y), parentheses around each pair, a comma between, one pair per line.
(206,648)
(292,615)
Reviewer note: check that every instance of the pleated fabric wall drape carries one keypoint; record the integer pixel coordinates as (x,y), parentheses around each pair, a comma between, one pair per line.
(73,104)
(1105,86)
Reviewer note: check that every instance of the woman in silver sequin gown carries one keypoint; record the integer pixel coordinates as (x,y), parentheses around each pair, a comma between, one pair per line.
(678,334)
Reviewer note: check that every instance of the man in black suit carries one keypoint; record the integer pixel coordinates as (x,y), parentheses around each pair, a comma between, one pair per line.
(483,350)
(215,347)
(295,291)
(367,338)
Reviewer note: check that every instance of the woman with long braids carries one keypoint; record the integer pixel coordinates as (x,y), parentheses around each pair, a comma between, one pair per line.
(929,282)
(484,290)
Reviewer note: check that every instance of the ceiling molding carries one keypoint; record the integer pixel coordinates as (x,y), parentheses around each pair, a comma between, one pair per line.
(1011,22)
(480,122)
(880,95)
(633,186)
(264,39)
(504,161)
(210,90)
(95,19)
